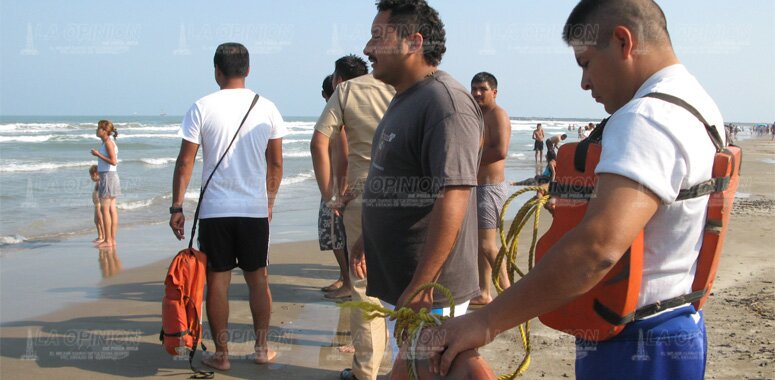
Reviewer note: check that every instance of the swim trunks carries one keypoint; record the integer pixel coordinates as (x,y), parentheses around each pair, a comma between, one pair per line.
(489,201)
(330,229)
(234,242)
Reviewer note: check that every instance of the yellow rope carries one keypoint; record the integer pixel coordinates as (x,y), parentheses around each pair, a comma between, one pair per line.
(508,252)
(409,322)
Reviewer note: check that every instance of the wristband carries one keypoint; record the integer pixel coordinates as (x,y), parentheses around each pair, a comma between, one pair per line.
(175,210)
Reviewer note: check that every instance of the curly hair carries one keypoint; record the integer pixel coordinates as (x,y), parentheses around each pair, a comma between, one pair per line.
(416,16)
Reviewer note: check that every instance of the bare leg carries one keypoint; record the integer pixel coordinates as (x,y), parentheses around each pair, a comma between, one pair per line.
(346,288)
(98,223)
(261,309)
(114,221)
(107,223)
(218,318)
(488,251)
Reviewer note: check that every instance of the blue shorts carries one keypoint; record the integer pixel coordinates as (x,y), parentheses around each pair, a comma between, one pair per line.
(672,345)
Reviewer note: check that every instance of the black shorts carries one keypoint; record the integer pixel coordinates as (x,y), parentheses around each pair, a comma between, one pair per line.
(234,242)
(538,145)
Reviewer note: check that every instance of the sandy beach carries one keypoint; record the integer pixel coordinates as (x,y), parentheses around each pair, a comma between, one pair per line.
(70,311)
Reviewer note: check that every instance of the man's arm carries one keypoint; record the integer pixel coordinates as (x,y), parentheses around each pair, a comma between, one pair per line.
(574,265)
(321,162)
(499,134)
(274,170)
(446,218)
(184,166)
(340,169)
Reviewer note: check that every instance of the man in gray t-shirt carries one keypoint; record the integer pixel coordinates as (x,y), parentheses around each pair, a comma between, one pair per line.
(419,202)
(427,141)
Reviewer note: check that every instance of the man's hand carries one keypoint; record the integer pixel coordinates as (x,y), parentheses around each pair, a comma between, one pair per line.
(423,299)
(358,259)
(456,335)
(177,223)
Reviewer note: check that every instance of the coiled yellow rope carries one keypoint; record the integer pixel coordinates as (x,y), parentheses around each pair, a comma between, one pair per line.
(409,324)
(508,252)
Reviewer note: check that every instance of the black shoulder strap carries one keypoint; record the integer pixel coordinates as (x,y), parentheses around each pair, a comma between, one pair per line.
(202,192)
(712,132)
(580,157)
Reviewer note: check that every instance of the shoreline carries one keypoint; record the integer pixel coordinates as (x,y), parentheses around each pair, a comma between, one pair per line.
(108,327)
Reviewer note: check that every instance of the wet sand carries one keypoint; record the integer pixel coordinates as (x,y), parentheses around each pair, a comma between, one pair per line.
(70,311)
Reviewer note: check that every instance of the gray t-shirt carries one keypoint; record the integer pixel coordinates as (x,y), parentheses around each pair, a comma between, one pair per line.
(430,137)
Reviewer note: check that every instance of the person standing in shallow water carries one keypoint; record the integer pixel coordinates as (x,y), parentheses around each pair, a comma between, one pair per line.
(538,146)
(95,197)
(109,186)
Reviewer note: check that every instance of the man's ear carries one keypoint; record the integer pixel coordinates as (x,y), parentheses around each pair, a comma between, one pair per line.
(415,42)
(624,41)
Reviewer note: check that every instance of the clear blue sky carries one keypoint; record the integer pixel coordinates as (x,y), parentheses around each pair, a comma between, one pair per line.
(128,57)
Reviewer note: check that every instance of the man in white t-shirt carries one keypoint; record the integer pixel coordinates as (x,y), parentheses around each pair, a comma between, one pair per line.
(236,207)
(652,149)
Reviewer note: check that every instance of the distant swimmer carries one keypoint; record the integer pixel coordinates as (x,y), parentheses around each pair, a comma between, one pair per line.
(538,146)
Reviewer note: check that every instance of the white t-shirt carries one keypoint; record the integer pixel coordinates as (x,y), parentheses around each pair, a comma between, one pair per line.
(238,188)
(665,148)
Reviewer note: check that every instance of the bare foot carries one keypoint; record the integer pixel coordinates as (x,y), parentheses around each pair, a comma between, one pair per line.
(218,360)
(336,285)
(480,300)
(105,244)
(265,356)
(97,242)
(338,294)
(346,349)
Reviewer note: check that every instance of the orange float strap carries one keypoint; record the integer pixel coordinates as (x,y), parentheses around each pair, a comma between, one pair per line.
(606,309)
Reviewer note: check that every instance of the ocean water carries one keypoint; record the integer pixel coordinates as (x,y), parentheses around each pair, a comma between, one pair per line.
(45,188)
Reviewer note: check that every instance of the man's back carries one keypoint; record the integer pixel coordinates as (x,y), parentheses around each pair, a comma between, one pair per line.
(359,104)
(239,186)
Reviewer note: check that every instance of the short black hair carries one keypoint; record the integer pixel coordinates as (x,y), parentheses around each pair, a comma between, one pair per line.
(350,66)
(485,77)
(592,22)
(328,85)
(232,59)
(416,16)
